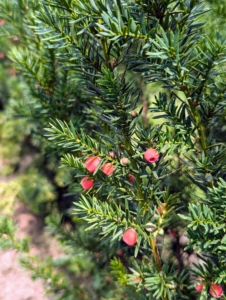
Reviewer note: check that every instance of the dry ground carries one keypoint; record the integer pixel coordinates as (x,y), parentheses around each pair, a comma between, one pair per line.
(15,281)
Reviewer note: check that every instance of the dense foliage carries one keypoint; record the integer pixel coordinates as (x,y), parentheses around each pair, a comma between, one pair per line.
(132,98)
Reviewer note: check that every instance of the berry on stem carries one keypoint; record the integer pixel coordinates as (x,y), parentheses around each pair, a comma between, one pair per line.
(151,155)
(134,114)
(108,169)
(92,163)
(124,161)
(216,290)
(112,154)
(199,284)
(199,287)
(130,178)
(87,183)
(130,237)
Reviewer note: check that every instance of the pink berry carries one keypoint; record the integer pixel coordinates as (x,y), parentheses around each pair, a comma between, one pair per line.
(199,284)
(161,208)
(130,237)
(130,178)
(92,163)
(112,154)
(216,291)
(199,287)
(151,155)
(108,169)
(87,183)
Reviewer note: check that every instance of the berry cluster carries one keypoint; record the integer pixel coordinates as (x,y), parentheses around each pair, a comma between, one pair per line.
(215,290)
(92,163)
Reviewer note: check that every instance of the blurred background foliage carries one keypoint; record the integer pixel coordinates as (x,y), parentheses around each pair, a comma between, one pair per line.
(30,175)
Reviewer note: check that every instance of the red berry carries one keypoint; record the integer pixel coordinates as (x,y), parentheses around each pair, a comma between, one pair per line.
(216,291)
(92,163)
(108,169)
(199,287)
(130,237)
(87,183)
(199,284)
(130,178)
(161,208)
(151,155)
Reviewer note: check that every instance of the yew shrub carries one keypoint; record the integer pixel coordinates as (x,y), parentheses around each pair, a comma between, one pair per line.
(132,98)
